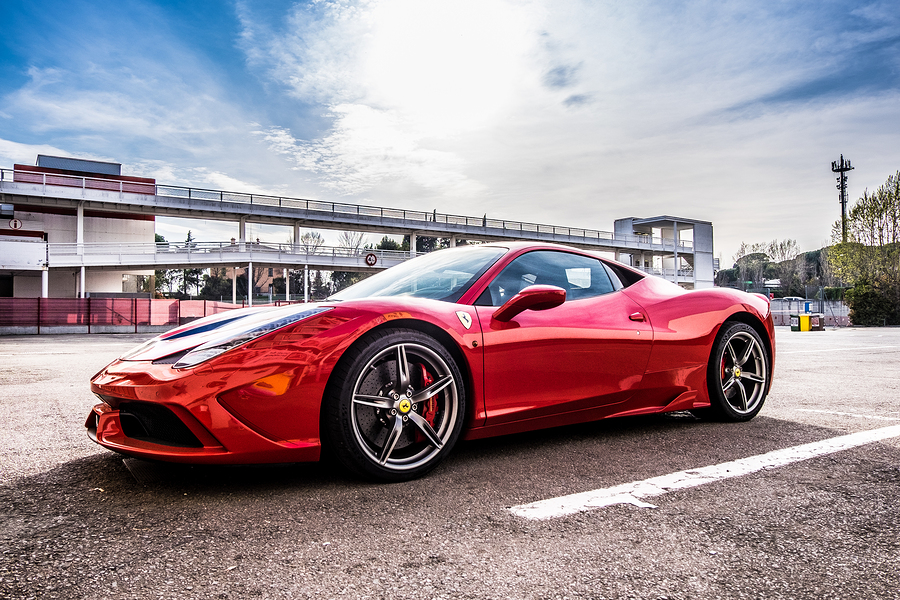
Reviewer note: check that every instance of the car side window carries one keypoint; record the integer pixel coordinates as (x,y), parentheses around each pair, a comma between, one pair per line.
(616,282)
(580,276)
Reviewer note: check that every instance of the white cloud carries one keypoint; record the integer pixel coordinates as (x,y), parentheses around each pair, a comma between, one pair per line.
(25,154)
(367,146)
(398,79)
(576,113)
(566,112)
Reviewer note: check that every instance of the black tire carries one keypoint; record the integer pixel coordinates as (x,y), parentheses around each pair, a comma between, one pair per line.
(384,425)
(738,374)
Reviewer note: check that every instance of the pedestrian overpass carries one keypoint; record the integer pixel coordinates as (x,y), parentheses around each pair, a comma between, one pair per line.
(682,247)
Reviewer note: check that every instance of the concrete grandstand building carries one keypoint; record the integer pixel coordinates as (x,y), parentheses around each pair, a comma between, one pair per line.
(25,228)
(73,228)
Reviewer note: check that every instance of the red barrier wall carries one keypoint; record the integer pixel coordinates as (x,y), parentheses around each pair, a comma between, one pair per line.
(104,312)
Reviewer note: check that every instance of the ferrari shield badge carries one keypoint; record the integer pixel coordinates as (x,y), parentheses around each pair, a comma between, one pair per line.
(464,318)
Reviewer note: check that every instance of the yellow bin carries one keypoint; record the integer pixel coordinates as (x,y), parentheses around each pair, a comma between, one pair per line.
(804,322)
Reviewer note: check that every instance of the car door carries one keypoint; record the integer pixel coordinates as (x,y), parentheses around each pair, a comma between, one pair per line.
(590,351)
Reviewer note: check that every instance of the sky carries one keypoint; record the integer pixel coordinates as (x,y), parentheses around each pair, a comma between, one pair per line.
(566,112)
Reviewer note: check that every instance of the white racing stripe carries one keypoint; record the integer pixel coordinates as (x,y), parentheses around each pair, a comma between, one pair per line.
(634,492)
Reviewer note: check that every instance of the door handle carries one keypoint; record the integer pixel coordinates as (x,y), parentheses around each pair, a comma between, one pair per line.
(637,316)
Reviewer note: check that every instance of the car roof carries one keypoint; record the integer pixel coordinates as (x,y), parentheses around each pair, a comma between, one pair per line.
(523,245)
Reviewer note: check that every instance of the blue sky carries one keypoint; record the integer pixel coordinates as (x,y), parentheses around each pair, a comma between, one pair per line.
(565,111)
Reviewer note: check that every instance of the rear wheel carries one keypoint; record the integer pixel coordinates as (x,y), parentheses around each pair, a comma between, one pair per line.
(396,406)
(738,373)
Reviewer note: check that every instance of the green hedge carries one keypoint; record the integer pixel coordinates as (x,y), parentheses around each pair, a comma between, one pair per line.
(870,307)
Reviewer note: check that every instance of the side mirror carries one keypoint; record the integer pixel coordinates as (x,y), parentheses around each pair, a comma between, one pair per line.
(534,297)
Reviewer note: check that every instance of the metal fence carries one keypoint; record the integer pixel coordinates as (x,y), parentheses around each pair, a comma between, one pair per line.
(73,181)
(217,248)
(140,315)
(837,314)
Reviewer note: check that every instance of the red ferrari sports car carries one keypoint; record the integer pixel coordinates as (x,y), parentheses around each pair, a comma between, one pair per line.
(473,341)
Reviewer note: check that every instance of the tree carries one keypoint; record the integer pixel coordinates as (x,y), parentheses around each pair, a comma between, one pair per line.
(311,241)
(351,241)
(190,278)
(296,277)
(790,266)
(425,244)
(165,278)
(387,243)
(779,259)
(318,285)
(344,279)
(870,259)
(750,261)
(319,289)
(216,285)
(278,285)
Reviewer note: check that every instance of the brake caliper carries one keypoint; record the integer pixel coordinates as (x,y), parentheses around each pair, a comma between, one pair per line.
(429,409)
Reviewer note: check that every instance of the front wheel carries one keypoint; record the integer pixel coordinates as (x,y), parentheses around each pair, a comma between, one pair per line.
(396,405)
(738,373)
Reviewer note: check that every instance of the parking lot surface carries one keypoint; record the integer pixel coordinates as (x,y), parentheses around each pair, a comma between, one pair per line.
(77,521)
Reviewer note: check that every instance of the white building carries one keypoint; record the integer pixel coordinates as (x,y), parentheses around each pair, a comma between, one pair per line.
(24,222)
(71,228)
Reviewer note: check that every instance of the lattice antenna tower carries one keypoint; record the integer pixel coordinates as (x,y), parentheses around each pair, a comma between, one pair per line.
(841,168)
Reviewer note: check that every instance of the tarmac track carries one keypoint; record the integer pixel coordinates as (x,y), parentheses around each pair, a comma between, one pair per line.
(77,521)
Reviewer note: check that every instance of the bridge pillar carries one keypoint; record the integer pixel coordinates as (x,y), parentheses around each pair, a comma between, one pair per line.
(287,286)
(250,285)
(453,241)
(296,234)
(82,290)
(412,244)
(45,282)
(242,233)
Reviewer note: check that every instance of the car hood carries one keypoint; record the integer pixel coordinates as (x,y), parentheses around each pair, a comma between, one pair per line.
(184,338)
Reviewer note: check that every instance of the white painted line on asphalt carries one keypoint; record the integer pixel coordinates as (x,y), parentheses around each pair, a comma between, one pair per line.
(846,414)
(26,352)
(834,350)
(632,493)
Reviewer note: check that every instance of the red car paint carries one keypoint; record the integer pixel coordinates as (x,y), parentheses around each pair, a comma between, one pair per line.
(641,349)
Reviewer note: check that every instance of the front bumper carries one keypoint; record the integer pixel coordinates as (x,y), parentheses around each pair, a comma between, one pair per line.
(205,416)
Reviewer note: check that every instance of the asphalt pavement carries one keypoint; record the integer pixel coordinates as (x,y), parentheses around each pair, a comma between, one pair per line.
(77,521)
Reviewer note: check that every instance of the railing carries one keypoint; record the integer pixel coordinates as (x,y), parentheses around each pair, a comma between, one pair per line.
(686,273)
(57,249)
(483,223)
(73,181)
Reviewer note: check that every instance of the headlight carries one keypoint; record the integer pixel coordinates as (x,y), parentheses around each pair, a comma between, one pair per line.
(242,332)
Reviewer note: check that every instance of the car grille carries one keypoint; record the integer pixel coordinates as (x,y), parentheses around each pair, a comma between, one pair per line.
(156,424)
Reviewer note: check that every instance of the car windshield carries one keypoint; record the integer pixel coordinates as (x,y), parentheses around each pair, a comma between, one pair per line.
(442,275)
